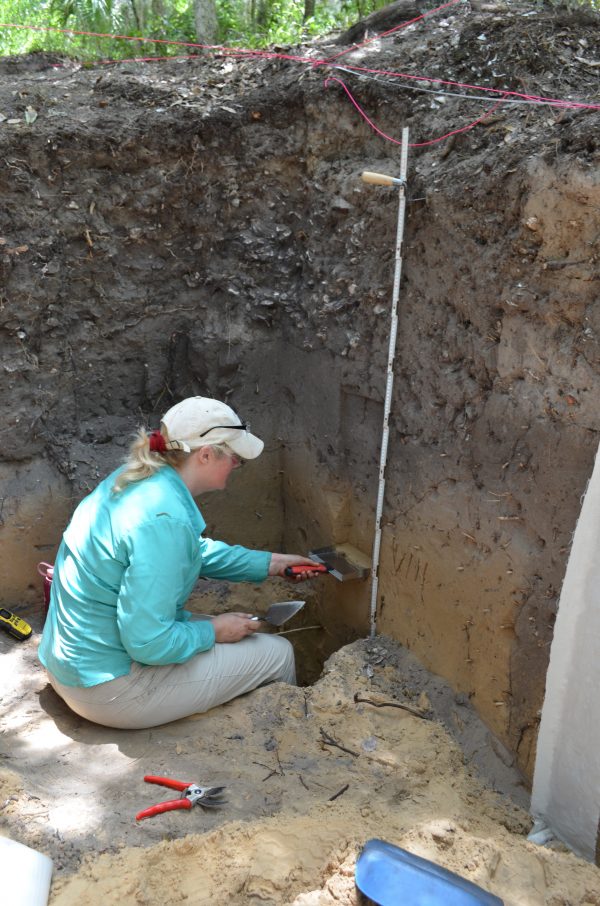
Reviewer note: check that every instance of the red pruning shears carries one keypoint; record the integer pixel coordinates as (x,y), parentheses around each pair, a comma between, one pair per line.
(191,794)
(305,568)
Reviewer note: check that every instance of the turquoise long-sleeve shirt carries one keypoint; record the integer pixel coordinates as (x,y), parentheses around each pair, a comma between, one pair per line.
(127,564)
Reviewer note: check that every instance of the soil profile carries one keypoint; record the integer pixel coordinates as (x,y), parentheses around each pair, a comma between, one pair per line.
(199,226)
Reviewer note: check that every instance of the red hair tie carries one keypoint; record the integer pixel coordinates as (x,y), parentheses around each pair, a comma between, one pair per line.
(157,442)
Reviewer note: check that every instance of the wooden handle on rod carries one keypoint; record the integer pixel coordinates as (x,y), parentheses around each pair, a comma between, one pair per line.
(380,179)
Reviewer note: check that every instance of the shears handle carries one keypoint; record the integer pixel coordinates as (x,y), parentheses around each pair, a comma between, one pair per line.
(163,807)
(180,785)
(305,568)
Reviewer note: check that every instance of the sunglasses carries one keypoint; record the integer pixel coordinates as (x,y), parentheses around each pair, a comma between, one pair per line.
(245,427)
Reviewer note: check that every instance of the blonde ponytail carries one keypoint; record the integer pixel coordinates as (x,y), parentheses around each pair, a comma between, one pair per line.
(141,463)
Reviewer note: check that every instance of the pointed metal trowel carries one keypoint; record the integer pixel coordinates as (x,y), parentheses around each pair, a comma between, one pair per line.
(278,614)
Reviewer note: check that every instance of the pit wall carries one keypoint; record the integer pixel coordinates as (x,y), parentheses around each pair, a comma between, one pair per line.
(494,429)
(36,502)
(278,302)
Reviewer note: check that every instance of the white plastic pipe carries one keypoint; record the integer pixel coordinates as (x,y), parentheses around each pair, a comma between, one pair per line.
(26,874)
(382,179)
(566,782)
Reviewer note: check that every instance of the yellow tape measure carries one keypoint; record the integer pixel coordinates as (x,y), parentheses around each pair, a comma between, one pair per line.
(14,625)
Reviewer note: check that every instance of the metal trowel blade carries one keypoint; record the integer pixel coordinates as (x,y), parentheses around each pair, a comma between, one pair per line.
(278,614)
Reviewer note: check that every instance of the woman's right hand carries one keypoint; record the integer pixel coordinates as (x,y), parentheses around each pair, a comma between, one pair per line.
(232,627)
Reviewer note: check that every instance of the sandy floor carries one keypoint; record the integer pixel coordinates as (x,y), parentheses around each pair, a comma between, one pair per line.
(311,774)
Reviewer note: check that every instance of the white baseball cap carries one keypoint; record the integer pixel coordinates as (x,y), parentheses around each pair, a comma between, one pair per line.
(200,421)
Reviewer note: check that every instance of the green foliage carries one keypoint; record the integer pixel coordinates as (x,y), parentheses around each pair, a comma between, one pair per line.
(275,22)
(248,23)
(132,18)
(244,23)
(21,12)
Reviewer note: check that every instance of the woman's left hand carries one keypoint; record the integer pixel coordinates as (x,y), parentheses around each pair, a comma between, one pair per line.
(280,562)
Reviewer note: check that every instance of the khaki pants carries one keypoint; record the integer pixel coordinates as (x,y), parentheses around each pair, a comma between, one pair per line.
(150,696)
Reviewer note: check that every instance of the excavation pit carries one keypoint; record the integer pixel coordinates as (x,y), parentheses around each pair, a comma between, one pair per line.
(277,300)
(164,235)
(312,631)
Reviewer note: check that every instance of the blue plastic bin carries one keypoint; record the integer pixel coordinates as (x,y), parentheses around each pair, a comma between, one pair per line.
(394,877)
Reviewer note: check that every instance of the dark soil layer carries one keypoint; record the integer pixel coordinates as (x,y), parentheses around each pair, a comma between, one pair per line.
(199,227)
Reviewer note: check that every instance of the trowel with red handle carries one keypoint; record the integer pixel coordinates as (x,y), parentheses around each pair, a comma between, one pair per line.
(278,614)
(304,568)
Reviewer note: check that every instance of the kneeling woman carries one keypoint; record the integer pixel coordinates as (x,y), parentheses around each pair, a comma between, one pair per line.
(118,645)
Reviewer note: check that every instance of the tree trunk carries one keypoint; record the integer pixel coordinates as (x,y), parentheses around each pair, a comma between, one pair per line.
(380,20)
(206,21)
(309,9)
(144,11)
(136,16)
